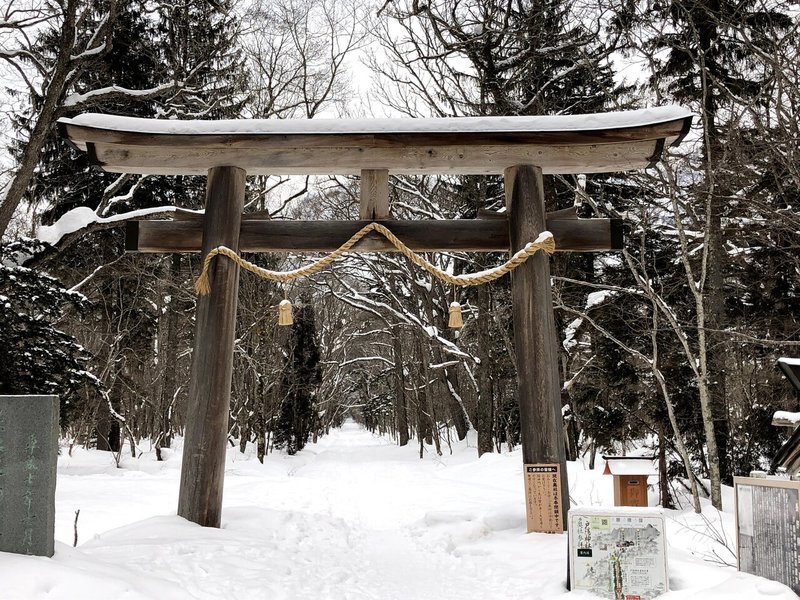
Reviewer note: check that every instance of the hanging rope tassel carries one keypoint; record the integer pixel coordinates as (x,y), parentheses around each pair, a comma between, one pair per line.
(285,313)
(203,286)
(456,321)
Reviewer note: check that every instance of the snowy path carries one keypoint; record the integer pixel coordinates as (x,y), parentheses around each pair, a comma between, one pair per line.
(352,517)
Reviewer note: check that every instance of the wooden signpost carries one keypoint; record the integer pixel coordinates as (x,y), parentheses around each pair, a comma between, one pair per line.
(522,149)
(544,502)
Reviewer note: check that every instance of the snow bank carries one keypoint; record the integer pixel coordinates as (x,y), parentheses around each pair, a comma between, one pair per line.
(353,516)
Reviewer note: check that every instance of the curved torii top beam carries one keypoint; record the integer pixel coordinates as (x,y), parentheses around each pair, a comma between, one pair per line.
(595,143)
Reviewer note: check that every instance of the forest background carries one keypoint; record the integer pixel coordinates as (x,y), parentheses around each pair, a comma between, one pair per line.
(669,345)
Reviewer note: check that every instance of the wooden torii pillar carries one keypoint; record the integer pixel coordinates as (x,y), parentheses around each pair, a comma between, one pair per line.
(206,436)
(522,149)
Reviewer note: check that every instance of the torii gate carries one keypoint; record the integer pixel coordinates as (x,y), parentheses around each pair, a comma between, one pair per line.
(522,149)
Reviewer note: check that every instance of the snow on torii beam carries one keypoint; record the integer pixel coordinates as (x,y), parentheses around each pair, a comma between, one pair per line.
(476,145)
(566,144)
(520,148)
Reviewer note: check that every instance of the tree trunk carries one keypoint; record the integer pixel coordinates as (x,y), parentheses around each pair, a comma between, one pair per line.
(103,426)
(424,419)
(400,412)
(54,91)
(663,480)
(452,397)
(571,429)
(485,401)
(716,323)
(169,355)
(711,304)
(673,420)
(430,408)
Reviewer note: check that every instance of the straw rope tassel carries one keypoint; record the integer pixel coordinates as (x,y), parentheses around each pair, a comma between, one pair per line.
(202,286)
(456,320)
(285,313)
(544,242)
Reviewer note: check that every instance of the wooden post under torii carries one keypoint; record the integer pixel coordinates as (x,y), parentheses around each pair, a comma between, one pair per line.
(523,149)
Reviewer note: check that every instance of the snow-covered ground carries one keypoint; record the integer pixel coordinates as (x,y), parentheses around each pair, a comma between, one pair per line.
(351,517)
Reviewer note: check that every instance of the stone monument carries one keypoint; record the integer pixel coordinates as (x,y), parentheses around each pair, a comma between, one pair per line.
(28,454)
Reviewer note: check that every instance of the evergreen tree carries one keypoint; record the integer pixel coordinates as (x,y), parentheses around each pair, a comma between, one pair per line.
(120,342)
(198,44)
(714,63)
(36,356)
(64,179)
(189,62)
(301,378)
(181,60)
(47,72)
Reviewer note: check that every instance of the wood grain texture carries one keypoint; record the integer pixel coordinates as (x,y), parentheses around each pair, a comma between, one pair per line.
(535,338)
(205,441)
(464,235)
(374,203)
(462,159)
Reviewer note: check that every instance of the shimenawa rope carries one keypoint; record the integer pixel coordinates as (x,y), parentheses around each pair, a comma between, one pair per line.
(543,242)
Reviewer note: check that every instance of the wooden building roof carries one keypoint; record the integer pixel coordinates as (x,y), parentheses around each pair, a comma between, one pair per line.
(630,465)
(791,368)
(788,456)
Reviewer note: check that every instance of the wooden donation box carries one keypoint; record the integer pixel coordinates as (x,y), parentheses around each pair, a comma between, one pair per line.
(618,553)
(768,528)
(630,478)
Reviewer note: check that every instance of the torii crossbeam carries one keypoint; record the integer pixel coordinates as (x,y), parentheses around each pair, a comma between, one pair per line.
(522,149)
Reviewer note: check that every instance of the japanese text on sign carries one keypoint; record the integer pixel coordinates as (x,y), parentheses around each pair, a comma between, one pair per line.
(543,498)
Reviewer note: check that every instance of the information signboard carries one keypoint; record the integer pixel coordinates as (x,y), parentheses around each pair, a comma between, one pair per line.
(618,553)
(543,498)
(768,528)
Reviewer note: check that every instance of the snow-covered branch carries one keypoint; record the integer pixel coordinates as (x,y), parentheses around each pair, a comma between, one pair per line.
(115,92)
(83,217)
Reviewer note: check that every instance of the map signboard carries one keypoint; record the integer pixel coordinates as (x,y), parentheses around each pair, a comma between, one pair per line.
(768,528)
(618,553)
(543,498)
